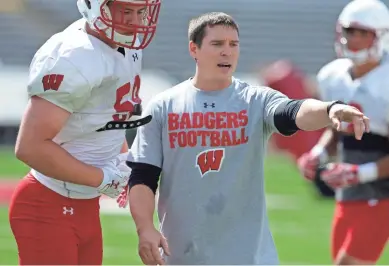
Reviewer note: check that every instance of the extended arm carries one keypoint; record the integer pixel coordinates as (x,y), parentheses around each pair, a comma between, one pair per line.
(312,115)
(291,115)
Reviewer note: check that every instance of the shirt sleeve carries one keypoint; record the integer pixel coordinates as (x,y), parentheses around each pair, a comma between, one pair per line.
(272,99)
(147,146)
(59,82)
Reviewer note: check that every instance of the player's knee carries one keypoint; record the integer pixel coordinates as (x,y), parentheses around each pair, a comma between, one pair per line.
(344,259)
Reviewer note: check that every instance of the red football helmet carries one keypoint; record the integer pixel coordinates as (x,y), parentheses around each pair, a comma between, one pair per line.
(128,23)
(371,16)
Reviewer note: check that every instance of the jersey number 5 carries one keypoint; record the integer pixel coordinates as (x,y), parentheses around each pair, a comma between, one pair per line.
(126,97)
(350,127)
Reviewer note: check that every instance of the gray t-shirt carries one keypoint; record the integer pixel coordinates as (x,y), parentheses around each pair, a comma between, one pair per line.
(211,148)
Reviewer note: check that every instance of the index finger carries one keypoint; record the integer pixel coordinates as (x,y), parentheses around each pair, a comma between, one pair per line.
(165,246)
(366,121)
(359,127)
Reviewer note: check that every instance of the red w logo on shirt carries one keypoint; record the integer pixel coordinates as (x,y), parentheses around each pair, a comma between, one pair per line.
(210,161)
(52,82)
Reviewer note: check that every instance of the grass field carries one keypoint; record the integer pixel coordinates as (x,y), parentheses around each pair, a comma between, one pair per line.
(300,221)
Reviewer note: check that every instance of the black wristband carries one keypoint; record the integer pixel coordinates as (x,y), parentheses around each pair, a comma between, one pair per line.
(332,104)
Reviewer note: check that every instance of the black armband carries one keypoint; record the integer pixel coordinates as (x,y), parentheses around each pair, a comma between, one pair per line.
(144,174)
(285,117)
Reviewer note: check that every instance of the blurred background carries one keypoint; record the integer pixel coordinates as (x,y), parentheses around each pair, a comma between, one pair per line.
(283,44)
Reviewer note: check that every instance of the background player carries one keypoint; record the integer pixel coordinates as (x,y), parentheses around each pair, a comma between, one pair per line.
(207,139)
(83,88)
(360,226)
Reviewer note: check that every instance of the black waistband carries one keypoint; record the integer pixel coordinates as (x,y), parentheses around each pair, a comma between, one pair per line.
(369,142)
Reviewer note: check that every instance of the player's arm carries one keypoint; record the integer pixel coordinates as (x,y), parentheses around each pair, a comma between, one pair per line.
(344,174)
(124,148)
(145,159)
(53,97)
(41,122)
(328,142)
(382,168)
(326,146)
(320,154)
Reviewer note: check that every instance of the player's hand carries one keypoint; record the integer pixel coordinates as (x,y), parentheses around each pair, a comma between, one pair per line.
(123,198)
(116,176)
(339,175)
(150,240)
(309,162)
(346,113)
(120,162)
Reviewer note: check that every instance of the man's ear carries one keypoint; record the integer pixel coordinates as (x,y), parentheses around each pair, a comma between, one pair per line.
(193,50)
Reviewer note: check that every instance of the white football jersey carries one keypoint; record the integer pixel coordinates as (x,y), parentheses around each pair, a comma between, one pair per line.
(98,85)
(369,93)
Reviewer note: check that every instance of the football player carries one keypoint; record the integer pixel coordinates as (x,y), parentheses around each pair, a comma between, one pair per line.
(83,90)
(360,78)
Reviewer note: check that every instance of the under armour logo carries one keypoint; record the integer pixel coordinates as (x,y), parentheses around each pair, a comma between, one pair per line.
(66,210)
(135,56)
(212,105)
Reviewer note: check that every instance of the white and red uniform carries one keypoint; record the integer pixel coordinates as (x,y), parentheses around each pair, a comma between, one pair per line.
(99,86)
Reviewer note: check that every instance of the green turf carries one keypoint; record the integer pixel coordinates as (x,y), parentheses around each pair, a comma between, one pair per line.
(300,221)
(10,167)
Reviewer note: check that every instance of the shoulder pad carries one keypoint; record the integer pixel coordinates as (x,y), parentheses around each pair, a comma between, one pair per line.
(328,75)
(58,81)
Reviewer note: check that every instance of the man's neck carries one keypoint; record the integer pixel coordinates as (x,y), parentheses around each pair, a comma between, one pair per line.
(358,71)
(98,36)
(210,84)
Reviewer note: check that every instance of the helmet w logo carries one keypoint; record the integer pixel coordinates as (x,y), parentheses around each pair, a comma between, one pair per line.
(210,161)
(52,82)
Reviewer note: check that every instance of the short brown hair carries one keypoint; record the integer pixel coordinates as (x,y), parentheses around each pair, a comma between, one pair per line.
(198,26)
